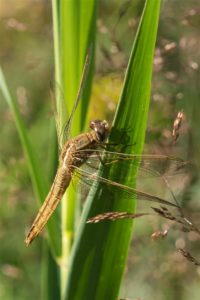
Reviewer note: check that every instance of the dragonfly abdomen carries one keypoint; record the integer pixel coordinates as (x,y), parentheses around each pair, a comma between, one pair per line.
(58,188)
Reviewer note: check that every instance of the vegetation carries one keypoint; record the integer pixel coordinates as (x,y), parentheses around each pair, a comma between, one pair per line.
(176,72)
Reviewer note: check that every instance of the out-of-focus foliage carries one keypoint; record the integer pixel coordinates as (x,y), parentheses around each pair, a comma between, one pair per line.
(26,54)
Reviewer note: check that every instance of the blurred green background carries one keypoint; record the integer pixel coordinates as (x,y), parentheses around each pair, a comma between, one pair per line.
(155,270)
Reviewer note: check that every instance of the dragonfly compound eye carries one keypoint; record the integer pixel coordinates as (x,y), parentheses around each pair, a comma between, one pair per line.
(101,128)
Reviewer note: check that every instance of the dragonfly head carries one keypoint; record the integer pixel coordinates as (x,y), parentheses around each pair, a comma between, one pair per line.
(101,128)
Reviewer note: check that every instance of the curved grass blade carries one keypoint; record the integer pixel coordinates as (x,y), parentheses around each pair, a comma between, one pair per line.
(100,250)
(77,33)
(36,173)
(50,277)
(74,30)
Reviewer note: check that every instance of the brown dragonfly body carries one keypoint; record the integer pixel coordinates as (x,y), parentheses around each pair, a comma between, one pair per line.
(70,159)
(84,147)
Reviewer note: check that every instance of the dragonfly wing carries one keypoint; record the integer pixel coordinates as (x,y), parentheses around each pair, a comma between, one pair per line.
(64,130)
(80,89)
(120,190)
(148,165)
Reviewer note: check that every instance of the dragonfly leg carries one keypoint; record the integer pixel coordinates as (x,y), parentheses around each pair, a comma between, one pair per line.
(121,149)
(105,163)
(100,158)
(102,161)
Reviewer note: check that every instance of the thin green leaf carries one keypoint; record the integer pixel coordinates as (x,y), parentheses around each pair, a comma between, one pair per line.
(77,35)
(50,279)
(36,173)
(74,32)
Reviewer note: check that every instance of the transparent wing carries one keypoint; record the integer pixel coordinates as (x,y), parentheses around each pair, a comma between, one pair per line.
(127,192)
(64,130)
(67,127)
(115,189)
(149,165)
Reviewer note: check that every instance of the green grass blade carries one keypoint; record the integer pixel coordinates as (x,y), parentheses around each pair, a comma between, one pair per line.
(77,35)
(36,173)
(50,285)
(50,271)
(100,250)
(58,63)
(74,32)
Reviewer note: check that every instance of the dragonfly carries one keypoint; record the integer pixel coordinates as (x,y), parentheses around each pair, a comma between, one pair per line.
(90,149)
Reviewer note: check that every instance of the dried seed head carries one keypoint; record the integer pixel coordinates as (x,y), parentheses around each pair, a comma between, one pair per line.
(188,256)
(159,234)
(115,215)
(177,125)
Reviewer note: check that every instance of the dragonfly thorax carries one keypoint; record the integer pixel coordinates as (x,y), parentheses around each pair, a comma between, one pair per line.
(101,128)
